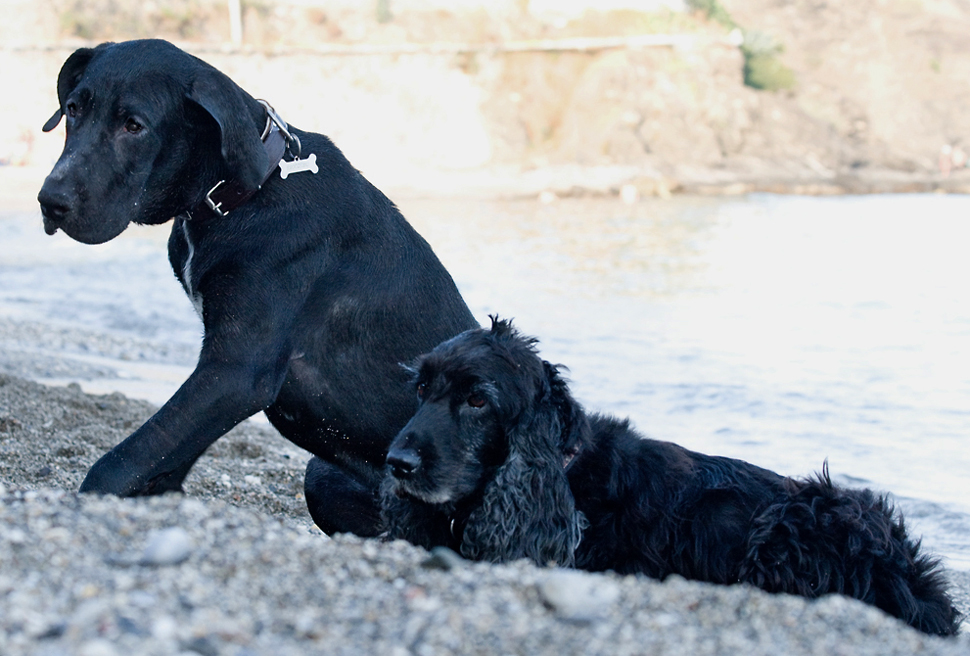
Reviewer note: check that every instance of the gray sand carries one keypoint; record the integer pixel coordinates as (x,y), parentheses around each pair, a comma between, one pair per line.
(242,571)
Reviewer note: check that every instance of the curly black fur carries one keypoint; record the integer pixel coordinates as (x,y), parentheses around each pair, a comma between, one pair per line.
(501,463)
(487,460)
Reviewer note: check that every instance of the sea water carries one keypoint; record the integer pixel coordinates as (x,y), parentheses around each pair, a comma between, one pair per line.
(787,331)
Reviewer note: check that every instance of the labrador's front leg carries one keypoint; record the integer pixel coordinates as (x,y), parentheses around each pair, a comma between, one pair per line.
(241,368)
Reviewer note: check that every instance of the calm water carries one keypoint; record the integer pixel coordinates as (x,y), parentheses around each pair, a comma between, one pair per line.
(781,330)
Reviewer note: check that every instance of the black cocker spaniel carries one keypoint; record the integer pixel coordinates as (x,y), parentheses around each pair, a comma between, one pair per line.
(500,463)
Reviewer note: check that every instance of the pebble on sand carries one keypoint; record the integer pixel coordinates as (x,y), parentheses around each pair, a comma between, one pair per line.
(169,546)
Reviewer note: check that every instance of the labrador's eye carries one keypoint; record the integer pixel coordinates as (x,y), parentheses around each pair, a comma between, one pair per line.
(476,401)
(132,126)
(71,109)
(422,388)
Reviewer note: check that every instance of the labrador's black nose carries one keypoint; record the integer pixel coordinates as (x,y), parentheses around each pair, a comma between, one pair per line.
(403,462)
(55,206)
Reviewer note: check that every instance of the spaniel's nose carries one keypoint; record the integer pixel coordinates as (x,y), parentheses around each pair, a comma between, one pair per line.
(403,462)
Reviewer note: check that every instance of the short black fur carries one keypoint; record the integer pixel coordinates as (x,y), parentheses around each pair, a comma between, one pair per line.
(500,463)
(310,293)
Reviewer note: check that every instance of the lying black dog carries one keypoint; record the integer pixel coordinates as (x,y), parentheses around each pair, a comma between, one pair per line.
(311,285)
(500,463)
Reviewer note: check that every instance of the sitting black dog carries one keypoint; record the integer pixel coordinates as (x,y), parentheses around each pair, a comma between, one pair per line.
(311,285)
(500,463)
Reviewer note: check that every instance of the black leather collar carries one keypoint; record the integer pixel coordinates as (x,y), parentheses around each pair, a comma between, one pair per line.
(228,195)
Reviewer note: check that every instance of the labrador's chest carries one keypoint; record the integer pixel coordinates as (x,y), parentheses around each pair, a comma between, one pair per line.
(184,258)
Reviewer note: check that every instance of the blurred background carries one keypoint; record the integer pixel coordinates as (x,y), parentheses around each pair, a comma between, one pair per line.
(739,222)
(666,95)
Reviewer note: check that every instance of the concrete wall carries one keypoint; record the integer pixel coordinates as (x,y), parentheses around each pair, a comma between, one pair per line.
(559,7)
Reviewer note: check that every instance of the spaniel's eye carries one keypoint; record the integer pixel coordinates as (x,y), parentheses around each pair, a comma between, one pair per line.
(133,126)
(71,109)
(476,401)
(422,388)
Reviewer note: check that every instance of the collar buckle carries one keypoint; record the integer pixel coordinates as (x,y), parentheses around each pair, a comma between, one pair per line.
(226,195)
(214,206)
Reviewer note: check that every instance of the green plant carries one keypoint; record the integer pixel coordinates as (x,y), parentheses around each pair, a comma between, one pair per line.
(384,14)
(768,73)
(713,10)
(762,67)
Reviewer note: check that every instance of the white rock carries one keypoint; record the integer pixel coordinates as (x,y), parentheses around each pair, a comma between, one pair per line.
(169,546)
(97,647)
(165,628)
(578,596)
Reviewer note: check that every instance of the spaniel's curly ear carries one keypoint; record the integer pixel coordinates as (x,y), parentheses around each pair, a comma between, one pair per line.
(575,426)
(528,510)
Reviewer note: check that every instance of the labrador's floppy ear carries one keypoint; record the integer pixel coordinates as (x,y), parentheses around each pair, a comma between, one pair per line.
(71,73)
(242,149)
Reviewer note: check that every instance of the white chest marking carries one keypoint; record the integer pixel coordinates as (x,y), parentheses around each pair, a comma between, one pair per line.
(193,294)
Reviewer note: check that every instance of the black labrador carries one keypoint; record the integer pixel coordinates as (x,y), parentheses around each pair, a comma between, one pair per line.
(311,285)
(500,463)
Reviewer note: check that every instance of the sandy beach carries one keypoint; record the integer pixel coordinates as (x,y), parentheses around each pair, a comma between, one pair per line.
(235,567)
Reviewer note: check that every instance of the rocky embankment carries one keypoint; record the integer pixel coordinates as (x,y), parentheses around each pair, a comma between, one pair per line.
(873,94)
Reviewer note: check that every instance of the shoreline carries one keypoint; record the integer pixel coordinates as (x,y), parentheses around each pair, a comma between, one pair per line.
(19,185)
(252,576)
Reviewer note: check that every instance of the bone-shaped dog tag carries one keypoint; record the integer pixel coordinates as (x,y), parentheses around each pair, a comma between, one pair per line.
(299,165)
